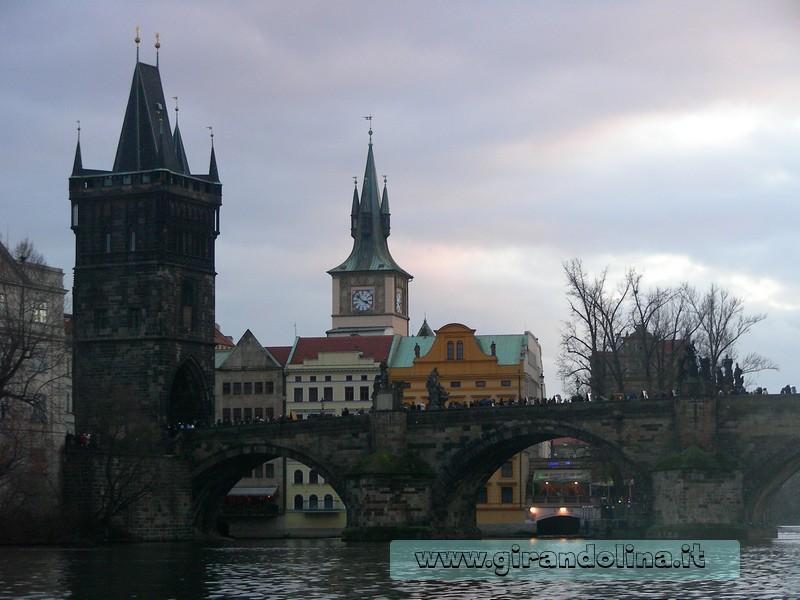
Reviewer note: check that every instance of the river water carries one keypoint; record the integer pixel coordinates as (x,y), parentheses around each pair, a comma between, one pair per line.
(330,568)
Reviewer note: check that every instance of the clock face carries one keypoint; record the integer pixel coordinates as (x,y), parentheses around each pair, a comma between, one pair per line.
(398,301)
(362,300)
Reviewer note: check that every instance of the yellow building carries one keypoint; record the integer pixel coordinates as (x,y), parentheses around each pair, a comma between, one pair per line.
(477,370)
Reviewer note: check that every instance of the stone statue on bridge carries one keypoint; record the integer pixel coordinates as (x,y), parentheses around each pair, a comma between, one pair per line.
(437,396)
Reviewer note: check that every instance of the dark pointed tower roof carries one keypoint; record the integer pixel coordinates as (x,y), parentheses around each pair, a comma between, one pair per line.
(146,127)
(370,249)
(180,151)
(425,330)
(77,165)
(213,173)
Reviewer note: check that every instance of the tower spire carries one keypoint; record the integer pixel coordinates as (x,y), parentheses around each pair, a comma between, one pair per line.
(77,165)
(213,174)
(158,47)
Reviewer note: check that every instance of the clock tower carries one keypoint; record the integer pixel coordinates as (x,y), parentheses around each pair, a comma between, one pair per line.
(370,290)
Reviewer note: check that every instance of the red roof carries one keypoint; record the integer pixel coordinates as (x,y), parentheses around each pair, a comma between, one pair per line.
(222,340)
(279,353)
(376,347)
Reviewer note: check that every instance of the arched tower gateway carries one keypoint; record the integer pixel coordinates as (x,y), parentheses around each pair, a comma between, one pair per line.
(370,290)
(143,297)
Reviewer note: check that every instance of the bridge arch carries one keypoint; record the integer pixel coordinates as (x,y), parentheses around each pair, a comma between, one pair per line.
(467,470)
(189,399)
(763,481)
(213,478)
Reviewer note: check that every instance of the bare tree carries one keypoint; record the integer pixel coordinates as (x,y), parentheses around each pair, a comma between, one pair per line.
(122,465)
(623,338)
(722,322)
(34,370)
(591,334)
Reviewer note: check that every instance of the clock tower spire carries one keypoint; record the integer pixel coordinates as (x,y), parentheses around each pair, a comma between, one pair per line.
(370,290)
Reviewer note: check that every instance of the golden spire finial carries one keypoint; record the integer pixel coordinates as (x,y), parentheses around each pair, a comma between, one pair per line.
(79,130)
(158,46)
(137,39)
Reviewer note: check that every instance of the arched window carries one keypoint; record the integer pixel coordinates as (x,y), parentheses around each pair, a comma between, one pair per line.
(449,350)
(298,476)
(298,502)
(459,350)
(328,501)
(313,502)
(313,477)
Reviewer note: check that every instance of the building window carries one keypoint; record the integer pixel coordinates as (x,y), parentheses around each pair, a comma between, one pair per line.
(459,350)
(248,387)
(298,476)
(313,394)
(298,394)
(270,387)
(106,240)
(363,393)
(131,239)
(313,477)
(327,394)
(450,351)
(348,378)
(480,384)
(270,412)
(226,389)
(312,378)
(74,215)
(258,413)
(482,497)
(507,495)
(328,502)
(507,470)
(455,384)
(237,388)
(363,378)
(327,377)
(258,473)
(269,470)
(506,383)
(298,378)
(226,416)
(349,393)
(259,387)
(248,414)
(39,312)
(298,502)
(313,502)
(237,415)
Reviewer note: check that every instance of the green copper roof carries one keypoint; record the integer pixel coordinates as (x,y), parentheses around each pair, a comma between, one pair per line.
(508,348)
(370,222)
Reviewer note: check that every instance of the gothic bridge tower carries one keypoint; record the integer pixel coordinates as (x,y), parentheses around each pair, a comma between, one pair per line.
(370,290)
(143,298)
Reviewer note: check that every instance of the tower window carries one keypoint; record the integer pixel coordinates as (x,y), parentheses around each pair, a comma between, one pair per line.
(450,352)
(188,305)
(74,215)
(459,350)
(131,239)
(106,240)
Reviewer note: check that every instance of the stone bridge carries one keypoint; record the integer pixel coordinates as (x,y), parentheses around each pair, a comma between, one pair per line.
(700,464)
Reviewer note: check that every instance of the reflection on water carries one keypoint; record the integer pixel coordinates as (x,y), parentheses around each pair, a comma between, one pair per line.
(310,569)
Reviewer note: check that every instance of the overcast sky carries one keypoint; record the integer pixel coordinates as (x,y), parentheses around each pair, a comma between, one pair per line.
(663,136)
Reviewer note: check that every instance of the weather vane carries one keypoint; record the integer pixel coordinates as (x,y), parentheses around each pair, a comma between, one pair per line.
(369,118)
